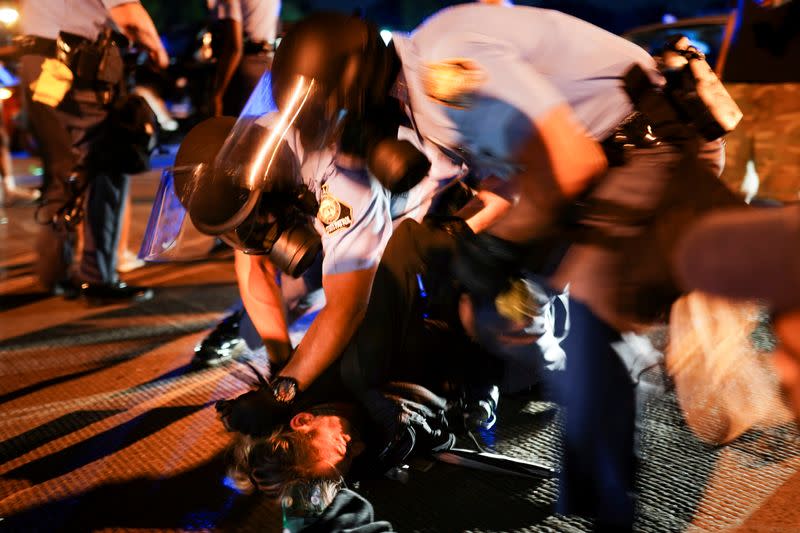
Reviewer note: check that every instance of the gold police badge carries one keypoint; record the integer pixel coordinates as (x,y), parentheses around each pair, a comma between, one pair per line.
(329,207)
(453,82)
(333,214)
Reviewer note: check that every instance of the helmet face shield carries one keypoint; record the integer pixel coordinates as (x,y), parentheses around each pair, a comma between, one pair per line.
(311,110)
(241,182)
(170,234)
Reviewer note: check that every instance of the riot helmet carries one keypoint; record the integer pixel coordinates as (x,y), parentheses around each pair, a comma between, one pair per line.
(331,79)
(241,183)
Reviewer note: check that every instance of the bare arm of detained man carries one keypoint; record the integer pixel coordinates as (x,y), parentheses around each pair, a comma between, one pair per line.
(347,295)
(558,163)
(134,22)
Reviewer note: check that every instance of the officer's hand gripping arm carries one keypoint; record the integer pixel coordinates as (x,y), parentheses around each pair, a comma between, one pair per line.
(557,164)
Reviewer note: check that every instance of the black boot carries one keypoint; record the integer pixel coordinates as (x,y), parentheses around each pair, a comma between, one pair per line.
(222,344)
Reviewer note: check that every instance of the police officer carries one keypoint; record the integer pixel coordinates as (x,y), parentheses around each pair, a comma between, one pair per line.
(574,118)
(71,74)
(247,32)
(355,221)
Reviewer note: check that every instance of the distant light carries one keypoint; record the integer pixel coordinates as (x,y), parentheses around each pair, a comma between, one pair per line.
(669,18)
(5,93)
(386,35)
(8,16)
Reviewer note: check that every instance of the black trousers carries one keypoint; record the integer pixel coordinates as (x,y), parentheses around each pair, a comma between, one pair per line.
(66,136)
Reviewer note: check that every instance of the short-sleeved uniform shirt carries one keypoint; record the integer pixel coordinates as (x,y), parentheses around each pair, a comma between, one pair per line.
(356,212)
(353,218)
(479,75)
(87,18)
(259,18)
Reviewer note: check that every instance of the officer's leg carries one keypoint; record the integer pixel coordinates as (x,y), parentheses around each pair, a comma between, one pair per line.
(604,289)
(597,476)
(102,228)
(86,118)
(54,246)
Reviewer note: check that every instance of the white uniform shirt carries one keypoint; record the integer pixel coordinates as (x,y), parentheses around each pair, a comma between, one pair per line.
(87,18)
(259,18)
(521,63)
(354,221)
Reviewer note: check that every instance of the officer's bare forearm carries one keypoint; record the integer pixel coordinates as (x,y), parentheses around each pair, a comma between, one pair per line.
(558,163)
(347,299)
(134,22)
(262,300)
(492,200)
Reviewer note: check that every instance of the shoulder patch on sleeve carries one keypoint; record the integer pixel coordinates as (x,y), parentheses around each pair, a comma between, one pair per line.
(453,82)
(333,214)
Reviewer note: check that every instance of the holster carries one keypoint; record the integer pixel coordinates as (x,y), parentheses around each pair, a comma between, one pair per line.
(96,65)
(665,122)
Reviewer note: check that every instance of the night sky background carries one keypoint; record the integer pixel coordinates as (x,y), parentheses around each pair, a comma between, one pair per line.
(614,15)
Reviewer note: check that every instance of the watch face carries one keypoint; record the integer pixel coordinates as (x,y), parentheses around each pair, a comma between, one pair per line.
(285,390)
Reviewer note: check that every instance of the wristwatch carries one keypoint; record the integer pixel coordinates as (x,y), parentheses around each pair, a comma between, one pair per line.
(284,389)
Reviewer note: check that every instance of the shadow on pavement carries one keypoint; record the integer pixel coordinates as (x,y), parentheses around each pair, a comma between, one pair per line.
(193,500)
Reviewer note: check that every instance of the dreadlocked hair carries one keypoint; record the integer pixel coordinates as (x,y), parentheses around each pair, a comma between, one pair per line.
(279,466)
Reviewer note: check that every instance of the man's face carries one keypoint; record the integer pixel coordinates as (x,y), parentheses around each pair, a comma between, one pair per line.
(787,357)
(333,440)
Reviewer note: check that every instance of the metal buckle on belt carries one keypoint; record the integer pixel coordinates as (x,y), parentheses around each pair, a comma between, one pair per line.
(635,131)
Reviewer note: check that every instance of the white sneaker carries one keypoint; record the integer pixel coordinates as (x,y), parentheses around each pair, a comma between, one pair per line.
(128,262)
(17,195)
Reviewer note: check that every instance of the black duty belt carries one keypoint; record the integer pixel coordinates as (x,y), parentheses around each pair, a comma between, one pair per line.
(258,47)
(42,46)
(34,45)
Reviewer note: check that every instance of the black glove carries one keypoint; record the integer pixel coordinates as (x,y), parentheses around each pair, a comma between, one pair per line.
(253,413)
(453,225)
(485,264)
(407,425)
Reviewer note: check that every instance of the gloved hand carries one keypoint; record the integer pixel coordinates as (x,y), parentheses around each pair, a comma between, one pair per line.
(408,426)
(485,264)
(253,413)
